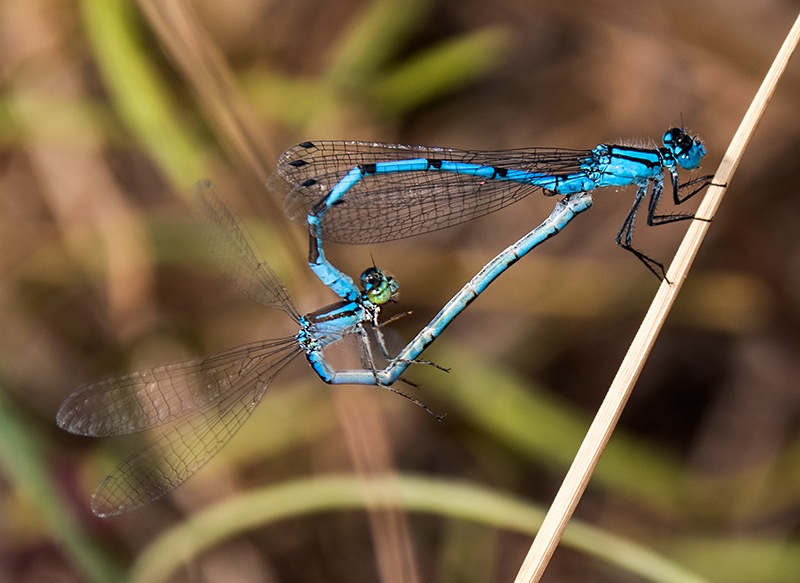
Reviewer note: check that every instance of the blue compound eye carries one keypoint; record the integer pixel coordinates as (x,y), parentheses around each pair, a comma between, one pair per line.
(687,150)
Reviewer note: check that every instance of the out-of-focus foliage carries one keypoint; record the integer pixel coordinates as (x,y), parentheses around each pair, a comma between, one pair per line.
(110,110)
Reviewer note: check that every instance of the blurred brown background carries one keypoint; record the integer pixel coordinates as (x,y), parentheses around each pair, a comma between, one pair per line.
(109,111)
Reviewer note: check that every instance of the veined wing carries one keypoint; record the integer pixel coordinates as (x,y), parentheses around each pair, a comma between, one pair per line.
(383,207)
(236,252)
(166,394)
(183,447)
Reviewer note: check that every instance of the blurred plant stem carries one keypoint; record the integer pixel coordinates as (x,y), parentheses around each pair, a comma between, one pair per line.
(137,91)
(26,463)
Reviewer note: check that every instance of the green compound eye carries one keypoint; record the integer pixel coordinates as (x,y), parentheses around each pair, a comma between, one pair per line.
(379,287)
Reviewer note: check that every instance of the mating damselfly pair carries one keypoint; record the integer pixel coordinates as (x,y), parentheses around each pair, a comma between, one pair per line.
(352,192)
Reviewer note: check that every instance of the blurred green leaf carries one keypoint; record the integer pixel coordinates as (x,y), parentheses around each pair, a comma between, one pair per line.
(139,94)
(361,70)
(537,425)
(763,559)
(289,100)
(43,119)
(455,499)
(373,40)
(26,462)
(440,70)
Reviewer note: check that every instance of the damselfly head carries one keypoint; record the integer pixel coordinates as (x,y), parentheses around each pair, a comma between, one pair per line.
(379,287)
(687,150)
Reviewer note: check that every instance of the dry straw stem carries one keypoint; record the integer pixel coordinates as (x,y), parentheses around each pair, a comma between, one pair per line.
(187,43)
(606,419)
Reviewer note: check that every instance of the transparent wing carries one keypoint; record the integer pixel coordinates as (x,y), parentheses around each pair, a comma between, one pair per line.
(197,405)
(206,401)
(384,207)
(165,394)
(235,251)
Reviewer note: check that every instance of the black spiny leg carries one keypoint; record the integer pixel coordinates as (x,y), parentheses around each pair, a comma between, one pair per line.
(654,219)
(625,236)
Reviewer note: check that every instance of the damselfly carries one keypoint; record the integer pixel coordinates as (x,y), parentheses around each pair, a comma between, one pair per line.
(199,404)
